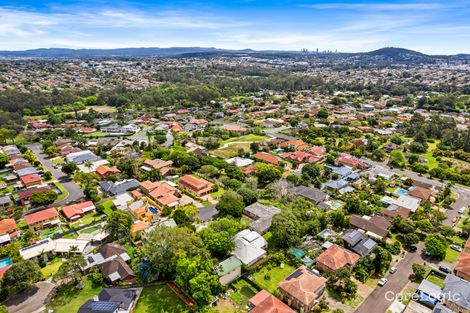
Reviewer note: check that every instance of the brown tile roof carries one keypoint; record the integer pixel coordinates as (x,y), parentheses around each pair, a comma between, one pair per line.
(111,249)
(266,157)
(377,225)
(420,193)
(265,302)
(117,265)
(194,181)
(105,170)
(336,257)
(30,178)
(305,286)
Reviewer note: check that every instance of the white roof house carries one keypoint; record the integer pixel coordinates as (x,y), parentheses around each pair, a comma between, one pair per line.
(240,162)
(93,166)
(122,200)
(249,246)
(64,245)
(407,202)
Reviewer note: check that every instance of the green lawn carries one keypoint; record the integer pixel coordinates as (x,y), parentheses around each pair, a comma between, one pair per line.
(218,193)
(246,138)
(95,135)
(90,218)
(451,255)
(230,151)
(58,161)
(457,240)
(70,299)
(269,278)
(50,269)
(159,299)
(90,230)
(432,162)
(244,292)
(108,206)
(436,280)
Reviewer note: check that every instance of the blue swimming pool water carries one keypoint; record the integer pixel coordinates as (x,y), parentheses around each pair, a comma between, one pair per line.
(153,210)
(5,262)
(401,192)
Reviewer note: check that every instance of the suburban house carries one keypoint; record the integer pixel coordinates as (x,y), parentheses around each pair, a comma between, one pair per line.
(262,216)
(266,157)
(81,157)
(198,186)
(163,166)
(358,242)
(295,144)
(299,157)
(111,260)
(249,246)
(43,218)
(229,270)
(31,180)
(375,226)
(460,291)
(421,193)
(240,162)
(7,230)
(50,246)
(115,188)
(140,209)
(428,293)
(163,193)
(5,201)
(264,302)
(349,160)
(312,194)
(75,211)
(302,289)
(207,213)
(23,196)
(104,171)
(335,258)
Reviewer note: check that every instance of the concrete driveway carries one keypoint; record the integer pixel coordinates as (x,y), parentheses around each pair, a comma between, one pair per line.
(75,193)
(31,300)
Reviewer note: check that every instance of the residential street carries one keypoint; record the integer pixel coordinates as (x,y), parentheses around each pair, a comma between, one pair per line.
(377,301)
(75,193)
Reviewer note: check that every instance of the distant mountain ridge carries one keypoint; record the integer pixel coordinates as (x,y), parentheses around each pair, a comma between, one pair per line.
(390,52)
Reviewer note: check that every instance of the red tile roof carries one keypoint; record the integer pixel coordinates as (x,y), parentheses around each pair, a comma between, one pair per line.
(7,225)
(39,216)
(336,257)
(76,209)
(463,264)
(30,178)
(266,157)
(265,302)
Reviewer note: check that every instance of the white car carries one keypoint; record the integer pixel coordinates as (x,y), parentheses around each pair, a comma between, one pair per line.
(456,248)
(383,281)
(461,210)
(393,270)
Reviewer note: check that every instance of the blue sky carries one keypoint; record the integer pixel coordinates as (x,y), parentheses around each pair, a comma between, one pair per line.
(430,26)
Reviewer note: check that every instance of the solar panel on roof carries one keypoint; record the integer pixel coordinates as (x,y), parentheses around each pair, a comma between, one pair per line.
(296,274)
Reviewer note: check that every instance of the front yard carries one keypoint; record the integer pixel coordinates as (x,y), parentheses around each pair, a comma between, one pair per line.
(50,269)
(70,299)
(451,255)
(231,150)
(268,278)
(243,292)
(159,299)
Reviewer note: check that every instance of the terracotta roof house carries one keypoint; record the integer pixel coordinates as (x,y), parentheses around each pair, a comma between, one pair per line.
(138,227)
(335,258)
(466,248)
(104,171)
(42,218)
(302,289)
(78,210)
(264,302)
(348,160)
(375,226)
(297,144)
(199,186)
(67,149)
(420,193)
(266,157)
(31,180)
(163,166)
(7,230)
(462,269)
(317,151)
(301,157)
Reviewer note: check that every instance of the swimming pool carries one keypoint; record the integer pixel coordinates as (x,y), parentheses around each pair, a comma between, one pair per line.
(5,262)
(153,210)
(401,192)
(336,205)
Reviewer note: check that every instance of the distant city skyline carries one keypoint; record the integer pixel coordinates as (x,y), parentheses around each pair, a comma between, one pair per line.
(432,26)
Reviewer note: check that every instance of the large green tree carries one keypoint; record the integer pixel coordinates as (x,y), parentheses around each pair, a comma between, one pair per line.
(21,275)
(436,245)
(231,204)
(43,197)
(118,225)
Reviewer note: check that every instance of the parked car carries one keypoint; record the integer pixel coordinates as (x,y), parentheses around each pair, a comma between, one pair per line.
(426,253)
(412,248)
(455,219)
(456,248)
(393,270)
(461,210)
(445,269)
(383,281)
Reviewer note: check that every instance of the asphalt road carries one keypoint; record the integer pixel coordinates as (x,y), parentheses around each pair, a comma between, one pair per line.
(463,193)
(75,193)
(382,297)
